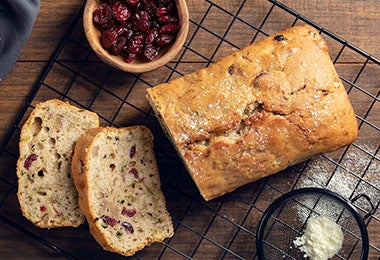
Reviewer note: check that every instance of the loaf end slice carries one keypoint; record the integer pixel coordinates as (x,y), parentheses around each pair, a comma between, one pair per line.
(119,188)
(257,111)
(46,190)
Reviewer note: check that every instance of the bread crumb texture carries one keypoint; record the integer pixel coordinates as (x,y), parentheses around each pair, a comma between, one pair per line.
(119,188)
(46,190)
(265,107)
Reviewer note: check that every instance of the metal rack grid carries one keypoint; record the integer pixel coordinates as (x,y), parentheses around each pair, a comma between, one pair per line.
(224,228)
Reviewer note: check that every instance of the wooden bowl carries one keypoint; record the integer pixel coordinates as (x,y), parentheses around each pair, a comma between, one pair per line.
(140,64)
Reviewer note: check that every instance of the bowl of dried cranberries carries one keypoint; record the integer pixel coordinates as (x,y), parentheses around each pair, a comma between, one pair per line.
(136,35)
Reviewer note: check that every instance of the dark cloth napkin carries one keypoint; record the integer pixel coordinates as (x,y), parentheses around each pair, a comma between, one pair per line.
(17,18)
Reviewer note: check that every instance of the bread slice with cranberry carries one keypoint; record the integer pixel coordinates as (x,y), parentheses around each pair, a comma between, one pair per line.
(119,187)
(46,190)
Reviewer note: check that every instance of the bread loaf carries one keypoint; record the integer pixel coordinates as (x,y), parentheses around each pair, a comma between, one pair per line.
(46,190)
(119,188)
(265,107)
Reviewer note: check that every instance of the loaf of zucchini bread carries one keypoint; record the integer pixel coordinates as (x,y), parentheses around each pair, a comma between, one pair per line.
(257,111)
(119,188)
(46,190)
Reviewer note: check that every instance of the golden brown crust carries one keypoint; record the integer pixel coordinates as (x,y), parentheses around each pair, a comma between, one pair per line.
(269,105)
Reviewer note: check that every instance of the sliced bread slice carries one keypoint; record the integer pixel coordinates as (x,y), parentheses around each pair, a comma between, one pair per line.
(46,190)
(119,187)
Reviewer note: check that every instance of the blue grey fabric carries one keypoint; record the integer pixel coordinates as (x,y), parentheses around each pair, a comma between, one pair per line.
(17,18)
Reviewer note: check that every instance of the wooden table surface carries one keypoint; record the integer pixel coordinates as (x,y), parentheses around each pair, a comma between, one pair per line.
(356,21)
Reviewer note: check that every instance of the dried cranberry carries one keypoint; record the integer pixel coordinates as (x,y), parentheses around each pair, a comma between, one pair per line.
(167,19)
(132,2)
(141,21)
(109,38)
(128,33)
(132,152)
(118,48)
(109,220)
(128,227)
(135,43)
(163,40)
(150,9)
(131,27)
(42,208)
(151,36)
(120,11)
(161,11)
(29,160)
(112,23)
(151,51)
(128,212)
(102,15)
(120,29)
(129,57)
(169,28)
(134,172)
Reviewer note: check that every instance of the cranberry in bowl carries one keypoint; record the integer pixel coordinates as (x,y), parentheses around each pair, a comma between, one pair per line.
(136,35)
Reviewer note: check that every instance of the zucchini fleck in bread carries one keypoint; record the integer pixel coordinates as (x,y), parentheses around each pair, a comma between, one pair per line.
(116,175)
(46,190)
(265,107)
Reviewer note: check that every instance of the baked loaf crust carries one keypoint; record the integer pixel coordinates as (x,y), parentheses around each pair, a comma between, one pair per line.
(46,190)
(267,106)
(119,188)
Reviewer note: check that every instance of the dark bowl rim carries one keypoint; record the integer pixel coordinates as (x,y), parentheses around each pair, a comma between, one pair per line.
(313,190)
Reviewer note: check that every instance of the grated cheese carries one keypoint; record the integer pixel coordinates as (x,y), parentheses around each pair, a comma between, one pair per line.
(321,240)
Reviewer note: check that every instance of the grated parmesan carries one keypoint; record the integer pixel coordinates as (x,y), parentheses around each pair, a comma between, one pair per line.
(321,240)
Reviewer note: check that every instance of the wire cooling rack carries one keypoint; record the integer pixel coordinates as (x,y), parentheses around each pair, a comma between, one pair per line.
(224,228)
